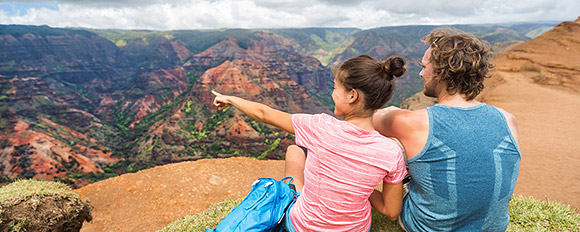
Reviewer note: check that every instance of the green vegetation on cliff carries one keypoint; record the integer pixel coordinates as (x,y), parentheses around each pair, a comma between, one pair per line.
(19,30)
(322,43)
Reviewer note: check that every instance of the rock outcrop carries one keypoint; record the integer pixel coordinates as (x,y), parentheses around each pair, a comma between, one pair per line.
(549,59)
(31,205)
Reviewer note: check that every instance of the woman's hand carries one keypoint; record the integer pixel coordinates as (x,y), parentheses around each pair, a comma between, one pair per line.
(221,101)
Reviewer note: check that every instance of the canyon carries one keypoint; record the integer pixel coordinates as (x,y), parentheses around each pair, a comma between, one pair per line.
(80,105)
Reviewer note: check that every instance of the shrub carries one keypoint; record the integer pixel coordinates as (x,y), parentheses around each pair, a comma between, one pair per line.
(31,205)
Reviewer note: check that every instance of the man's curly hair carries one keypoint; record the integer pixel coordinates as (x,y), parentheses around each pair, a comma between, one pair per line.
(460,59)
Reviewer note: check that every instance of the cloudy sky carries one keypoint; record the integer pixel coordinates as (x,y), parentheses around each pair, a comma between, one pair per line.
(215,14)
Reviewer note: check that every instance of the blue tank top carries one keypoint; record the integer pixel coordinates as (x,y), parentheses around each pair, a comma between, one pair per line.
(464,177)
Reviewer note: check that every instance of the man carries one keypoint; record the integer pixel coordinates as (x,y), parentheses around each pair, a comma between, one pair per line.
(463,155)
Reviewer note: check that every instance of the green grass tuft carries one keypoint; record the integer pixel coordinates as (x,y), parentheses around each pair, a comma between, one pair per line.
(33,205)
(206,219)
(526,214)
(381,223)
(24,189)
(529,214)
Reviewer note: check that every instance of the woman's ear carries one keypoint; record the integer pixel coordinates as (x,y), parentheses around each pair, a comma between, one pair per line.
(353,96)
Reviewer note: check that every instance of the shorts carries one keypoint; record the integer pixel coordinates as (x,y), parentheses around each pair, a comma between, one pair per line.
(286,223)
(304,149)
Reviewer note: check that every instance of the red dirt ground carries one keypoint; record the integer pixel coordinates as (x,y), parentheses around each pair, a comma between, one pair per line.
(151,199)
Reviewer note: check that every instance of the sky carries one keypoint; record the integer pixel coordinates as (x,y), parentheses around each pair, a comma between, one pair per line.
(219,14)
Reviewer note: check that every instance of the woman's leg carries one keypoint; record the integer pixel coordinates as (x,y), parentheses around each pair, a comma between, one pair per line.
(294,166)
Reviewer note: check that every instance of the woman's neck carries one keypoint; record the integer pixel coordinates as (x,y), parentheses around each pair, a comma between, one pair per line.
(363,122)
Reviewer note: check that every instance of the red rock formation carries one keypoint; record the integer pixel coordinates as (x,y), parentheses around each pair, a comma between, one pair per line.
(237,130)
(229,77)
(225,50)
(252,79)
(160,87)
(143,106)
(38,154)
(181,52)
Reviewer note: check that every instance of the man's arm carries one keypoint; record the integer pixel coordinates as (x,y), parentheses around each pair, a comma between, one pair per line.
(390,201)
(383,120)
(411,128)
(257,111)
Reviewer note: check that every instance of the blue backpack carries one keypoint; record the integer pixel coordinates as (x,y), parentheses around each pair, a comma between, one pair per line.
(262,209)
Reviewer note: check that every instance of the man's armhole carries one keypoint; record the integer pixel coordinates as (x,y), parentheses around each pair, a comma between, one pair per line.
(512,124)
(414,123)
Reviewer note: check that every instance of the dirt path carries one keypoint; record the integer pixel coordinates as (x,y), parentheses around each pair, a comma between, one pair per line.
(151,199)
(549,126)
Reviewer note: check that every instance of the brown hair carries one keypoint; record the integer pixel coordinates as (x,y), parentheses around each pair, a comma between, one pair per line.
(374,79)
(460,59)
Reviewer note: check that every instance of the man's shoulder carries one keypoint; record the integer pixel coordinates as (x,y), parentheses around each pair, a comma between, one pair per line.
(412,115)
(508,115)
(412,118)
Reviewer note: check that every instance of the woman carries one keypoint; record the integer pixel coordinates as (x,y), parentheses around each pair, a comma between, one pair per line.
(347,158)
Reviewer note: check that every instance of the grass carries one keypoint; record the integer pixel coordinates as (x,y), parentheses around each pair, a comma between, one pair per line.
(526,214)
(529,214)
(206,219)
(24,189)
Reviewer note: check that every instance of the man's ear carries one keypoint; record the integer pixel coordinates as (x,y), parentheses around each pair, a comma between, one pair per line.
(353,96)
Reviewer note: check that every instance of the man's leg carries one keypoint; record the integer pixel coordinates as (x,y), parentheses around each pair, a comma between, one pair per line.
(294,165)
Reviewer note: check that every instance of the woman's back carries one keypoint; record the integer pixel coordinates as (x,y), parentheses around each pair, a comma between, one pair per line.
(344,165)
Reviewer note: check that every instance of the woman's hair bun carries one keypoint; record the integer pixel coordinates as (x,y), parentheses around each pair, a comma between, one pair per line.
(394,66)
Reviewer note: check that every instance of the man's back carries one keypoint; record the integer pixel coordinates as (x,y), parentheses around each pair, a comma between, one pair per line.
(464,177)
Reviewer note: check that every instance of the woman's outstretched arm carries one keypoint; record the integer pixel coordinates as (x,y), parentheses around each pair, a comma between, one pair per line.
(257,111)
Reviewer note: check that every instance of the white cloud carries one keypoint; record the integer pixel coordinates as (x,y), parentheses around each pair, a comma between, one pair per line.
(211,14)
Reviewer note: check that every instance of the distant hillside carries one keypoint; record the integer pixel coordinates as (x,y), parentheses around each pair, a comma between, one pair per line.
(539,82)
(84,105)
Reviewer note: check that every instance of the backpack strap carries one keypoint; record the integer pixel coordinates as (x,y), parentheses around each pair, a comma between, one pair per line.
(288,177)
(290,184)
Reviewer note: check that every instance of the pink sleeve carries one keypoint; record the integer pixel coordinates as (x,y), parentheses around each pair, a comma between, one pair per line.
(398,172)
(303,124)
